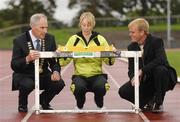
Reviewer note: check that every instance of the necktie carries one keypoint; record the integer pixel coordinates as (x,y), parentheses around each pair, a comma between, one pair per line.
(38,46)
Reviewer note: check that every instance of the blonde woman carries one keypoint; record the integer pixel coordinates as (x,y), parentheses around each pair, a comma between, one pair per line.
(88,75)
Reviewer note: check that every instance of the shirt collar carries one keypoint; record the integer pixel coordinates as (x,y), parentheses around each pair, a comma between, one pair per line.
(33,38)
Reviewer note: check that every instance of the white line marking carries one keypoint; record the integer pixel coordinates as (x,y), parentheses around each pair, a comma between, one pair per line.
(6,77)
(4,65)
(142,115)
(111,77)
(65,68)
(28,115)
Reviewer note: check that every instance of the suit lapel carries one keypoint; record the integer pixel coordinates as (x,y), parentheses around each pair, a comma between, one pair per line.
(46,43)
(29,41)
(146,47)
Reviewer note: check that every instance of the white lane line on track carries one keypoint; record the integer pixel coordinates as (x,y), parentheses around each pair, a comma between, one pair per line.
(111,77)
(141,114)
(65,68)
(28,115)
(6,77)
(4,65)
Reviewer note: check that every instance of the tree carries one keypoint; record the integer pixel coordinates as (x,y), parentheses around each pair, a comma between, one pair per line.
(19,11)
(147,7)
(97,7)
(175,9)
(123,7)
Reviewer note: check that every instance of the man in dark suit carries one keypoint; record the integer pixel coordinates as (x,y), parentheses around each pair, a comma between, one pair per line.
(26,49)
(154,74)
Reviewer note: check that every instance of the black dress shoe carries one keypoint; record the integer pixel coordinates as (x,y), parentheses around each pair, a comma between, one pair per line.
(47,107)
(147,108)
(22,108)
(157,108)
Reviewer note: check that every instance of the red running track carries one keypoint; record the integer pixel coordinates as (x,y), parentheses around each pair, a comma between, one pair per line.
(65,100)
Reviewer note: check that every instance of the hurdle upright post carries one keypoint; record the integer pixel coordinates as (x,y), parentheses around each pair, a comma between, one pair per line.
(136,78)
(37,106)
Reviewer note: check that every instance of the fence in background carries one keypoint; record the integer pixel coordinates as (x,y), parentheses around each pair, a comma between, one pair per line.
(100,22)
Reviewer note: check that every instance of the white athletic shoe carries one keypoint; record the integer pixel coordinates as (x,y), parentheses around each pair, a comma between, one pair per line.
(102,108)
(76,108)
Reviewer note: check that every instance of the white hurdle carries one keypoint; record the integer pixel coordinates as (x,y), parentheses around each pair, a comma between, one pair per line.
(179,79)
(126,54)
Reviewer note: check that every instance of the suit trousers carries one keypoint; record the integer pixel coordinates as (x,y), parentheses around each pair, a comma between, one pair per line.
(153,86)
(50,89)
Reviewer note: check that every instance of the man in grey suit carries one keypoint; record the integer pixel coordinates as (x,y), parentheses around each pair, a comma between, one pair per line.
(155,73)
(26,49)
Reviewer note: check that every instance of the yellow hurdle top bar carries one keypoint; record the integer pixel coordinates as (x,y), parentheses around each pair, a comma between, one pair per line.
(85,49)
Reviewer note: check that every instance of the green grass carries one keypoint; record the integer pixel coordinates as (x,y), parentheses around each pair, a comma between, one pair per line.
(6,42)
(174,59)
(63,34)
(156,28)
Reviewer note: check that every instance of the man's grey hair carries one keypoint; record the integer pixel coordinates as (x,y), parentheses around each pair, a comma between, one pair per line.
(36,17)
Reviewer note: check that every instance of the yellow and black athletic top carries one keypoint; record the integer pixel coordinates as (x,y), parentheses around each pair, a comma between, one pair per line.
(87,66)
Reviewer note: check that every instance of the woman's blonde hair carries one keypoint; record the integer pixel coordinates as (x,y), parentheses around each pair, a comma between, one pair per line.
(141,23)
(89,16)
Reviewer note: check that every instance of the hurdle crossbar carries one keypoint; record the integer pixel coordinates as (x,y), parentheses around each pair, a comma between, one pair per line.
(88,111)
(126,54)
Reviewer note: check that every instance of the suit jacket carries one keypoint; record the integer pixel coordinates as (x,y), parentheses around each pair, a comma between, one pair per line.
(134,46)
(21,50)
(153,56)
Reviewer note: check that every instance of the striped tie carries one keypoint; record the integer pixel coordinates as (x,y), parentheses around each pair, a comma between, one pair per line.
(38,46)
